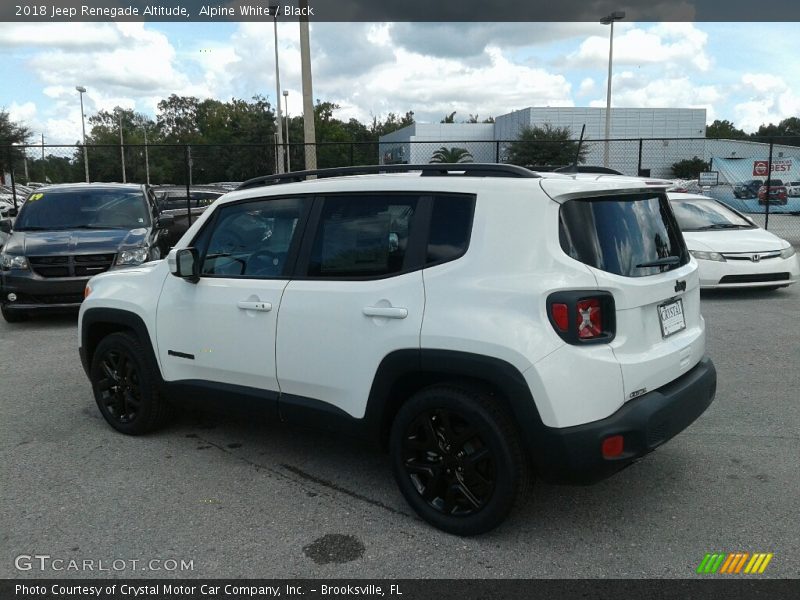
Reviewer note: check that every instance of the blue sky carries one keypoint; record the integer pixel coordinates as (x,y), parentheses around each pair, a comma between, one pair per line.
(744,72)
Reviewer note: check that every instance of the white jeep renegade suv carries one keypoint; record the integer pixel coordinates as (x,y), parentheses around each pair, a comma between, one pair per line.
(479,321)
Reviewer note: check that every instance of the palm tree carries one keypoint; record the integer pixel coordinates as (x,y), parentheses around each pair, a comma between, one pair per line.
(451,155)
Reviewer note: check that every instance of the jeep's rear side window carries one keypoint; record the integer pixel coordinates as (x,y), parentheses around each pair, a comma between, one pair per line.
(362,235)
(451,225)
(633,236)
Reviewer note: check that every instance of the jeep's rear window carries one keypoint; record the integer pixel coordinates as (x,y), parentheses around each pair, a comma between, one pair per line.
(633,236)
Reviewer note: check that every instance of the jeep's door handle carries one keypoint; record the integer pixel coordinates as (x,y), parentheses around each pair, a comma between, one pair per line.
(262,306)
(389,312)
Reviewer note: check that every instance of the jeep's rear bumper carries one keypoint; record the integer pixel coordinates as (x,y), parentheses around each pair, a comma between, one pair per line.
(574,454)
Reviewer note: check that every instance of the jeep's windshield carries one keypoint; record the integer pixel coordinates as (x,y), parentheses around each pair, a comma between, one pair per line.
(633,236)
(83,208)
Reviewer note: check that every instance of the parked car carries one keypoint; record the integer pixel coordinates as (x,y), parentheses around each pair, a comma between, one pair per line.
(793,188)
(172,201)
(777,192)
(731,250)
(64,234)
(747,189)
(477,321)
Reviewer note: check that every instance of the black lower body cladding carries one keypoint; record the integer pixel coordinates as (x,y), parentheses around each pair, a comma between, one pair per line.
(574,454)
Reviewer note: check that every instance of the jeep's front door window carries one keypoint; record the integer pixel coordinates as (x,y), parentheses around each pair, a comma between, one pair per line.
(251,239)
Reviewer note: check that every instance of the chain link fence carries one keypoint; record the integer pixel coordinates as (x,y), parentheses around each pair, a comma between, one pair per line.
(740,167)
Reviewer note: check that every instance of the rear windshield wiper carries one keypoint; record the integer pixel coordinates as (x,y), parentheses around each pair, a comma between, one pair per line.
(661,262)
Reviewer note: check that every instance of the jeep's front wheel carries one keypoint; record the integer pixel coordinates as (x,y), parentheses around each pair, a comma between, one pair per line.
(126,386)
(457,459)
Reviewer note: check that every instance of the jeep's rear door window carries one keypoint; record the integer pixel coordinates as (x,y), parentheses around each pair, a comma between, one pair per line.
(362,235)
(84,208)
(633,236)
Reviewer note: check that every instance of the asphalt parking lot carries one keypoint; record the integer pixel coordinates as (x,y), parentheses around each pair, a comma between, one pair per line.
(244,499)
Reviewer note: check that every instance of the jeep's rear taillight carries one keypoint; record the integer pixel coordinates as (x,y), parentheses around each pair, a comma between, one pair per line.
(590,318)
(583,317)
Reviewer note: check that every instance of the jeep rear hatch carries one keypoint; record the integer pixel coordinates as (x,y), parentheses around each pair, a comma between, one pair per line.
(631,243)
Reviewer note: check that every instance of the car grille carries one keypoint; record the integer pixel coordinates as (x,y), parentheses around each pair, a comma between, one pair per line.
(763,277)
(751,255)
(82,265)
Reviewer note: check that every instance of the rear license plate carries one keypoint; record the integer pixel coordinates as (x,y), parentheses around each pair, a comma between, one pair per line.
(671,317)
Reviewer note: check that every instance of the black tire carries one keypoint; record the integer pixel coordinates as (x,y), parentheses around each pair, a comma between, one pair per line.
(126,386)
(457,459)
(13,316)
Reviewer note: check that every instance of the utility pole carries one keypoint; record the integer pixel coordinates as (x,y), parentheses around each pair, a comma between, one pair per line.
(309,132)
(122,148)
(146,157)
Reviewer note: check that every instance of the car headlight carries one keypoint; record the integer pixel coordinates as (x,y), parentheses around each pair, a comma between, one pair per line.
(699,255)
(11,261)
(788,252)
(134,256)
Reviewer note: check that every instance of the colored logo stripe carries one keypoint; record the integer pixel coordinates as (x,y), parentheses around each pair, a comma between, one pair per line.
(732,563)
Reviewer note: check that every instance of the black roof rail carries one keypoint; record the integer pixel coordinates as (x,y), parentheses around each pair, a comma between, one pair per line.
(426,170)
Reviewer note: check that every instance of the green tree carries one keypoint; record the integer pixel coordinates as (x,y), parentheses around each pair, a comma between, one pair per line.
(545,145)
(689,168)
(787,128)
(103,139)
(451,118)
(391,123)
(451,155)
(11,133)
(724,130)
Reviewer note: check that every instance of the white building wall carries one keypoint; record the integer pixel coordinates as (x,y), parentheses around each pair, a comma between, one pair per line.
(416,143)
(674,126)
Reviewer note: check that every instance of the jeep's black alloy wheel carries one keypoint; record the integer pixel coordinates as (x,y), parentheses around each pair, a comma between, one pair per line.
(457,458)
(127,386)
(449,463)
(120,389)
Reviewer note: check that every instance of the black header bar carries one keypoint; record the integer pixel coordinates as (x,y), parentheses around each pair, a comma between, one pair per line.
(399,10)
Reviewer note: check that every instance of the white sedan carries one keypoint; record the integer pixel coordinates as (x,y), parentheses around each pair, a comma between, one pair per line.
(732,251)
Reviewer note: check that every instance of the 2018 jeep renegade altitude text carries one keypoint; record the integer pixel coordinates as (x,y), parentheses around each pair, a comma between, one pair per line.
(482,322)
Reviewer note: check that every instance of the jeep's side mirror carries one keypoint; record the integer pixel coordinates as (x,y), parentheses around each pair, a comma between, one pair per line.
(165,221)
(184,263)
(5,225)
(13,211)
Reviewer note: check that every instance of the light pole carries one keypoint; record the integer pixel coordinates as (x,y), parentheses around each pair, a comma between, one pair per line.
(81,91)
(279,149)
(617,15)
(288,147)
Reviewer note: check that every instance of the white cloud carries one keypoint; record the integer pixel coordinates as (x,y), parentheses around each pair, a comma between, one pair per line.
(669,45)
(635,90)
(68,37)
(769,100)
(587,86)
(22,113)
(433,87)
